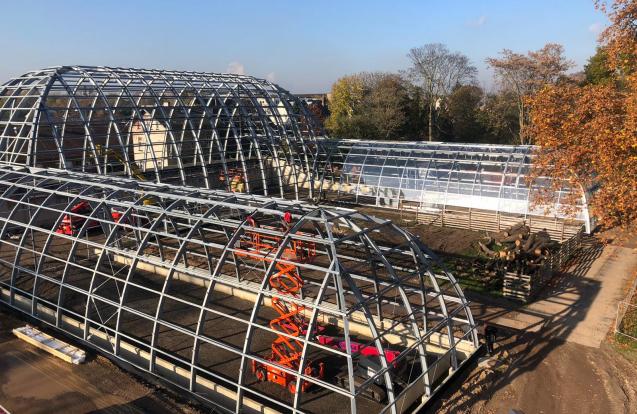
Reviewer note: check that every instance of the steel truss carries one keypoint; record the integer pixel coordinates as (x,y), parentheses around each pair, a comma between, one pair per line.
(249,135)
(167,279)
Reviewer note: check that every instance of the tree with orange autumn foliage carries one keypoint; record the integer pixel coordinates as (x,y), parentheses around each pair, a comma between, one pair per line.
(589,133)
(523,75)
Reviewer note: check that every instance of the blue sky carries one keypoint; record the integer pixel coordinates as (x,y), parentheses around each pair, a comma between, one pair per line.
(302,45)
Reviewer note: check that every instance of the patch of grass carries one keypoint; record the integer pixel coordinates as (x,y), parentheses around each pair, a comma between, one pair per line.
(472,252)
(479,287)
(629,322)
(626,342)
(625,346)
(471,273)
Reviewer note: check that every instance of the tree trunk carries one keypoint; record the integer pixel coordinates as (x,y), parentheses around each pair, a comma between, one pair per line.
(431,117)
(521,121)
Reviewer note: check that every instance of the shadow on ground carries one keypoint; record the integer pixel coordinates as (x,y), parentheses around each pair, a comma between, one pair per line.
(521,351)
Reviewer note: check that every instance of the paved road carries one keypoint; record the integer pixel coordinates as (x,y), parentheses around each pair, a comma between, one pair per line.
(611,272)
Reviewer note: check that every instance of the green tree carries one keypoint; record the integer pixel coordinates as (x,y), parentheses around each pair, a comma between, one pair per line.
(499,116)
(346,96)
(386,104)
(371,106)
(596,70)
(462,109)
(471,115)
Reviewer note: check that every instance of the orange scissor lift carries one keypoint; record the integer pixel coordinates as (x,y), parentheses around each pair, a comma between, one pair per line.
(285,351)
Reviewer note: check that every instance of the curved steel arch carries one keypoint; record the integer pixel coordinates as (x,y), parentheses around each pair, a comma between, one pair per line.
(188,128)
(175,287)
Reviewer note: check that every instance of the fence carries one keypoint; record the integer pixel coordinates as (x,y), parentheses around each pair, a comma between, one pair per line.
(484,220)
(626,322)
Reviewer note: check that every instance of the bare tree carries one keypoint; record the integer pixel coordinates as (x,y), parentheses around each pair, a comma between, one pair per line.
(439,71)
(523,75)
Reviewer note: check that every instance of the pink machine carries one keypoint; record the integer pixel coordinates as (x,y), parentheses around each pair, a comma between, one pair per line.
(357,347)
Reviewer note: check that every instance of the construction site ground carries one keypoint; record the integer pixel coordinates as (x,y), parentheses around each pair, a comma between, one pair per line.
(33,381)
(558,354)
(23,364)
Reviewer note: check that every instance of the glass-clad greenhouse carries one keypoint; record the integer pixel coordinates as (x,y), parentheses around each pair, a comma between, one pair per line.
(431,177)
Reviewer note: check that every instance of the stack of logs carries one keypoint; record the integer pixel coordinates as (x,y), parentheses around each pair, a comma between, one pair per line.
(516,249)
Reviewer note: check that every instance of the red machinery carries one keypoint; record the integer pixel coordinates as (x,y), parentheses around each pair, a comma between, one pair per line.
(71,224)
(365,368)
(285,351)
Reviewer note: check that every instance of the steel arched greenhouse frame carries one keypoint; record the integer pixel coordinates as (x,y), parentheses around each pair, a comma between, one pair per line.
(208,130)
(180,282)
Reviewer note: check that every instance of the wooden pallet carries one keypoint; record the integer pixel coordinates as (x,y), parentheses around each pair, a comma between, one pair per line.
(526,287)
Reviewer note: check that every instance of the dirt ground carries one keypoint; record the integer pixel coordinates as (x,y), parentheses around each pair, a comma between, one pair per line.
(442,240)
(32,381)
(447,240)
(537,374)
(546,367)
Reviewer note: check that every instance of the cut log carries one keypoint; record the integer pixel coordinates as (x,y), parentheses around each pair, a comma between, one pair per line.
(486,250)
(526,246)
(539,244)
(543,235)
(512,238)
